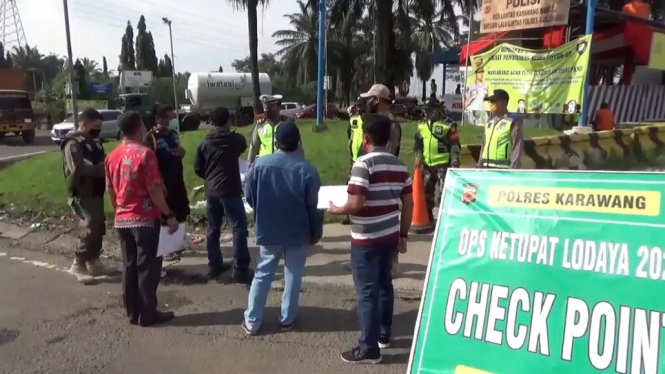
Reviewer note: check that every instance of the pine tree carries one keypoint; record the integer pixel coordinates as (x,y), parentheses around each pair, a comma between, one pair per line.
(105,68)
(151,54)
(3,61)
(127,54)
(221,69)
(140,48)
(80,74)
(168,66)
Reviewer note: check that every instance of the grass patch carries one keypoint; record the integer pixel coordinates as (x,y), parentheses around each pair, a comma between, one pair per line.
(37,184)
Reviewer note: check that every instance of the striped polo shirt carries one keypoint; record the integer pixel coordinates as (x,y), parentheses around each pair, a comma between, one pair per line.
(383,179)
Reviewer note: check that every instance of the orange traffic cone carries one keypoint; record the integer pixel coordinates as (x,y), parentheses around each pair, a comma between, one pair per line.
(420,223)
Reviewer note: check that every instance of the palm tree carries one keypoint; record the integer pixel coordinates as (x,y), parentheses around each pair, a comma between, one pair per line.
(300,44)
(432,29)
(25,57)
(251,6)
(91,68)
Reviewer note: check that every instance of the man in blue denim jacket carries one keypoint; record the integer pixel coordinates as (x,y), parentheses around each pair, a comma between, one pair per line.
(283,190)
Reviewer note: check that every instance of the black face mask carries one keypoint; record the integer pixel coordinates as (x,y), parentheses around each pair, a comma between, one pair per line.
(94,133)
(372,107)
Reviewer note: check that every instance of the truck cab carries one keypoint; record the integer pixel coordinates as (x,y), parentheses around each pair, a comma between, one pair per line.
(143,104)
(16,115)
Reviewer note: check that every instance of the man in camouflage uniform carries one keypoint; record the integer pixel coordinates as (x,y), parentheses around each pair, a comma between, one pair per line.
(436,148)
(83,167)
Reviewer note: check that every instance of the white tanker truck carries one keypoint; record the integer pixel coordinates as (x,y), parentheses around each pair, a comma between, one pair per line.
(233,91)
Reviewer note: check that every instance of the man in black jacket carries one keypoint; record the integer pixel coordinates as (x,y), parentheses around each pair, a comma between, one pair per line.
(217,163)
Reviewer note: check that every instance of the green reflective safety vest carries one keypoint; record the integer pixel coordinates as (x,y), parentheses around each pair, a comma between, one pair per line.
(267,139)
(356,141)
(436,147)
(498,146)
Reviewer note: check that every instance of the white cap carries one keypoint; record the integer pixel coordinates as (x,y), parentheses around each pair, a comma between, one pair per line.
(378,90)
(267,99)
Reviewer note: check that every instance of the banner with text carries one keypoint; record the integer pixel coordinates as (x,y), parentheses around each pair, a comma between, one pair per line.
(545,272)
(547,81)
(657,54)
(509,15)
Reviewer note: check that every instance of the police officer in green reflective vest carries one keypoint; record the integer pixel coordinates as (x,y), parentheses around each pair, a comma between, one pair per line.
(83,167)
(263,137)
(436,148)
(503,137)
(354,132)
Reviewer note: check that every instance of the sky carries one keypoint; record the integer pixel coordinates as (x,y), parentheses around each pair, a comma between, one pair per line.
(206,33)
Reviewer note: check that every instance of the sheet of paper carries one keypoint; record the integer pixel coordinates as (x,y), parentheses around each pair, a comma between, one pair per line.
(335,194)
(169,243)
(244,166)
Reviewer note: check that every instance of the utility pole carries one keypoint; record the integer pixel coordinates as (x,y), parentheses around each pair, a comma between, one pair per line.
(175,91)
(320,99)
(70,64)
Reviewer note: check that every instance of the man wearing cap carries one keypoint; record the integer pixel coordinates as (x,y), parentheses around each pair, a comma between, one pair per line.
(476,94)
(503,139)
(263,137)
(289,185)
(378,100)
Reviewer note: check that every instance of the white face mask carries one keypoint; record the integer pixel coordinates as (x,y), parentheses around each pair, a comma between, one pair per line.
(174,124)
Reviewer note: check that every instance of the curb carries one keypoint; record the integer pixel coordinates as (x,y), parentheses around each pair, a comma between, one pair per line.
(8,161)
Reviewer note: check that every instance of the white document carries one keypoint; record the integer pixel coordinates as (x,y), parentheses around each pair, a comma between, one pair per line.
(335,194)
(169,243)
(244,166)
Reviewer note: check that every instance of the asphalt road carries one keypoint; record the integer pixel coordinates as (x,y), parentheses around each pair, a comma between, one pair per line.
(14,147)
(51,324)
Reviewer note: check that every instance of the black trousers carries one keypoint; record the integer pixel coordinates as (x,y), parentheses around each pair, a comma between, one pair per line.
(142,270)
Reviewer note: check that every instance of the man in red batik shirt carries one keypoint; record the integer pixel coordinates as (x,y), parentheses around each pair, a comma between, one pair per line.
(136,190)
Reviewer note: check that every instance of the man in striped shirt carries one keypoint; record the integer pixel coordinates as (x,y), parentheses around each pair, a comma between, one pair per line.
(379,181)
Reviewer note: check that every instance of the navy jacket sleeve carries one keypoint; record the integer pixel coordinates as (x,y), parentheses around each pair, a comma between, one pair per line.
(312,186)
(200,161)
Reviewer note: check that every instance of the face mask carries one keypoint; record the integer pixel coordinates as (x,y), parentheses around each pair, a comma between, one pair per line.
(173,124)
(372,106)
(94,133)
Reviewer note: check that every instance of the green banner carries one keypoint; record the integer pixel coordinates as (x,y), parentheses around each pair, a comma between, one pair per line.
(538,81)
(545,272)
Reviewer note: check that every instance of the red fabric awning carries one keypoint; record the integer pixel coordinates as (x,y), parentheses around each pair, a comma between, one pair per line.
(480,45)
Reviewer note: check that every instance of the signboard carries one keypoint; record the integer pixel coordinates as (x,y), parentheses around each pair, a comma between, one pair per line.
(454,103)
(84,104)
(101,88)
(510,15)
(657,57)
(135,78)
(543,81)
(545,272)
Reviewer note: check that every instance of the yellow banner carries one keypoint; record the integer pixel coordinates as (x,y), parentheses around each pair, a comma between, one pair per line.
(642,203)
(657,57)
(84,104)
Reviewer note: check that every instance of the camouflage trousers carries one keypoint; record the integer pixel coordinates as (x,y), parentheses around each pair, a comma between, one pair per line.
(433,177)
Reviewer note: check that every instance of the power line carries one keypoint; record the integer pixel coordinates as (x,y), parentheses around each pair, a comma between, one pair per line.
(121,24)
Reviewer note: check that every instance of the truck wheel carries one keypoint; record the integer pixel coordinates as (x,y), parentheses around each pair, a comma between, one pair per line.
(28,136)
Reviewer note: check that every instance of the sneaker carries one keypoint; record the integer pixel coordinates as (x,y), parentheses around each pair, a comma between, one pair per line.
(288,327)
(384,343)
(242,276)
(80,271)
(96,268)
(246,329)
(217,270)
(157,319)
(357,356)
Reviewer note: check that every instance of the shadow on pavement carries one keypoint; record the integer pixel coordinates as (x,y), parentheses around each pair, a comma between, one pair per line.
(310,319)
(343,267)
